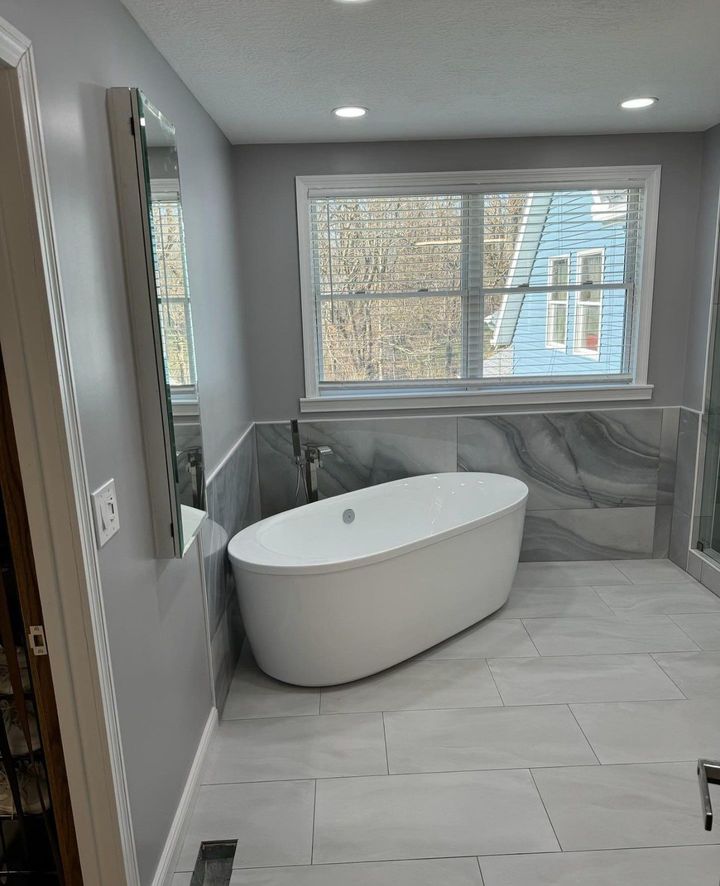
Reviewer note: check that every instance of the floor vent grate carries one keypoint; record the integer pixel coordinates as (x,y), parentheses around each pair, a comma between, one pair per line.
(214,863)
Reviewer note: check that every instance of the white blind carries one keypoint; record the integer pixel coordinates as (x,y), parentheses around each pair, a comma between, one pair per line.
(455,288)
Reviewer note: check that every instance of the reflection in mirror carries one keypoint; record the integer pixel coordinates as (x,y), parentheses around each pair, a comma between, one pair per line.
(173,300)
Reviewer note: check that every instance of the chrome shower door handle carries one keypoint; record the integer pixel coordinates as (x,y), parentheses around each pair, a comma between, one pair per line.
(708,773)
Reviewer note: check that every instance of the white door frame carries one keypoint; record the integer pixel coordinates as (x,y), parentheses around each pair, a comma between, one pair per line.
(45,414)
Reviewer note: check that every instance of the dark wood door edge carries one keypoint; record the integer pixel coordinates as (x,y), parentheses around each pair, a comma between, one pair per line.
(24,564)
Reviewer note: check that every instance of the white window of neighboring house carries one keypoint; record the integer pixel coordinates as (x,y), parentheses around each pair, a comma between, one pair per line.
(415,286)
(557,302)
(588,303)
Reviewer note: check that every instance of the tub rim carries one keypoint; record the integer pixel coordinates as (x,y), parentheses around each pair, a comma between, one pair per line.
(300,568)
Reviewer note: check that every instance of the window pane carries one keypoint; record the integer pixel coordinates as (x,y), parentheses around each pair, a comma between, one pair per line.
(587,329)
(391,339)
(388,244)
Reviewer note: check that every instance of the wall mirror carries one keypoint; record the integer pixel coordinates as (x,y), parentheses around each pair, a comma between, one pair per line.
(151,216)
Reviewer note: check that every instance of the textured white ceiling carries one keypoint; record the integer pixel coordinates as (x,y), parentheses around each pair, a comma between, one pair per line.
(272,70)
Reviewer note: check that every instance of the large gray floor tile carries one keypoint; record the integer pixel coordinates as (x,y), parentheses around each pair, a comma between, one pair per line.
(586,636)
(579,573)
(416,816)
(416,685)
(616,807)
(253,694)
(651,731)
(678,866)
(272,822)
(696,673)
(485,738)
(651,571)
(702,627)
(428,872)
(660,599)
(580,678)
(297,747)
(494,637)
(547,602)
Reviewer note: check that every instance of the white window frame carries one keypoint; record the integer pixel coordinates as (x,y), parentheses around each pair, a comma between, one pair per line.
(471,393)
(553,300)
(580,302)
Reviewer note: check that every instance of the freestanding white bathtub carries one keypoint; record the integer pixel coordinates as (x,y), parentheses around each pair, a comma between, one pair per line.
(350,585)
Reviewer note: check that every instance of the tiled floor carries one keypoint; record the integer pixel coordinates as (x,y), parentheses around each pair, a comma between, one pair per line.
(551,745)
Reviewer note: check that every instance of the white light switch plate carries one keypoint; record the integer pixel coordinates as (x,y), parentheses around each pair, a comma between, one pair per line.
(105,511)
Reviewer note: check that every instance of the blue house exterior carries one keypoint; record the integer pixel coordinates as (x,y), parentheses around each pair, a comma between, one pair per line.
(570,238)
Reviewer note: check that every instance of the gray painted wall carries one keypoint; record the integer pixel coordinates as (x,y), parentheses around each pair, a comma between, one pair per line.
(707,231)
(154,609)
(268,238)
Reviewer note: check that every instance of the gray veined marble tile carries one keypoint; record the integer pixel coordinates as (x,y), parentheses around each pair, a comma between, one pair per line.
(416,685)
(652,571)
(254,694)
(686,454)
(427,872)
(660,599)
(590,533)
(679,546)
(429,816)
(588,636)
(615,807)
(493,637)
(651,731)
(591,459)
(364,452)
(544,602)
(484,738)
(271,821)
(702,627)
(675,866)
(697,674)
(568,574)
(296,747)
(580,678)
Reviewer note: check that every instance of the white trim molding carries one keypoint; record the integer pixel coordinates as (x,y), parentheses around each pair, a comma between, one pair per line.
(631,384)
(166,866)
(45,414)
(475,399)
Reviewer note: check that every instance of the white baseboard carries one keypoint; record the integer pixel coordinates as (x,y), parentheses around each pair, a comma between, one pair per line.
(173,844)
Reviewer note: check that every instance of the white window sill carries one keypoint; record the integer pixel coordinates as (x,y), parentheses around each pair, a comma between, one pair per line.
(510,396)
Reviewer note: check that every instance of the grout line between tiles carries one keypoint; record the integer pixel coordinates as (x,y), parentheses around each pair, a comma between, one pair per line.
(384,775)
(542,800)
(666,673)
(387,752)
(590,744)
(482,879)
(492,677)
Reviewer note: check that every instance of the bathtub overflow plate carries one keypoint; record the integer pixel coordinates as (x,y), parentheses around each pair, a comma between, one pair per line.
(348,515)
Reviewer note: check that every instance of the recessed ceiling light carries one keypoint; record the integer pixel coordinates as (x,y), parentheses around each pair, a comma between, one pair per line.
(350,112)
(634,104)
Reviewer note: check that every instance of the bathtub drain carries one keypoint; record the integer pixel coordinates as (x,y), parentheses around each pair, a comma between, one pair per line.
(348,515)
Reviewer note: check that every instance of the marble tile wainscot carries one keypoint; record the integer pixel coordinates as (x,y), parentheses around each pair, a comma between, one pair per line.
(682,512)
(233,502)
(602,482)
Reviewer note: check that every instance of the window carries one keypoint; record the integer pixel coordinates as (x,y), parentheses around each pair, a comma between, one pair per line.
(588,303)
(172,285)
(557,316)
(475,283)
